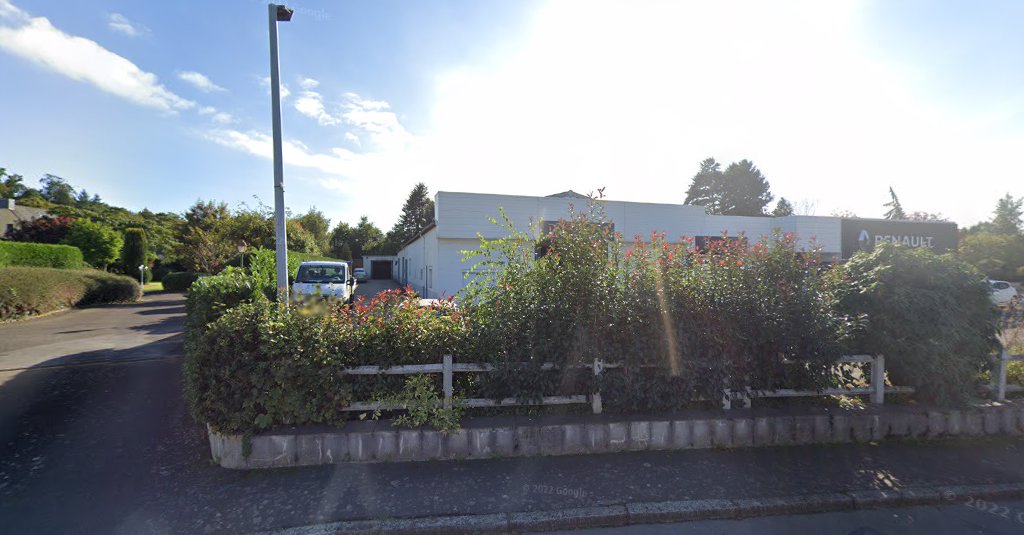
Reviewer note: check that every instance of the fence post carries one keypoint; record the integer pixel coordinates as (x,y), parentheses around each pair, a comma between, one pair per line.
(595,398)
(446,371)
(878,380)
(1004,359)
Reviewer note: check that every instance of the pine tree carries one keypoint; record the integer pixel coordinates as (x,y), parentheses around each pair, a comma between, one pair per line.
(1007,218)
(895,208)
(417,214)
(703,189)
(783,208)
(740,190)
(744,190)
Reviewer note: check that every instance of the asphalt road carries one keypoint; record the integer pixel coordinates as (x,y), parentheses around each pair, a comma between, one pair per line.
(95,438)
(961,518)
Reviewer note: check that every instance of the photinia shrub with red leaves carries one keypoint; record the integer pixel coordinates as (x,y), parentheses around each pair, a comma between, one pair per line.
(685,321)
(259,364)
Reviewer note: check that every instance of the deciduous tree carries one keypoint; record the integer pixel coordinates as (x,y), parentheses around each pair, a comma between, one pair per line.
(100,244)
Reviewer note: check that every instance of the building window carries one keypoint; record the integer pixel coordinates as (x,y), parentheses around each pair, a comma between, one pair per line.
(547,227)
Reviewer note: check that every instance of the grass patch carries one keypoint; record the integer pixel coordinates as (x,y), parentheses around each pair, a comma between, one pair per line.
(155,286)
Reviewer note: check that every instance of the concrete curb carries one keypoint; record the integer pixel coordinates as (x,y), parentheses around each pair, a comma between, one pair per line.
(673,511)
(367,442)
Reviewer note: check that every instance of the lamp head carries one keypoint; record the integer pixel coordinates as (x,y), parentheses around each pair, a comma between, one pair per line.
(284,14)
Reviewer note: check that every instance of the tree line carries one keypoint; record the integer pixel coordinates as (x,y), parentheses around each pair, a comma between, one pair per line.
(206,237)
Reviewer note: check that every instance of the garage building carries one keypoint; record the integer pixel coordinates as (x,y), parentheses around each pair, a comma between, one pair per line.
(433,265)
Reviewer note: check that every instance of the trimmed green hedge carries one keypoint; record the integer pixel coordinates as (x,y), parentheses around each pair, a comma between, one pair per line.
(28,291)
(179,281)
(39,255)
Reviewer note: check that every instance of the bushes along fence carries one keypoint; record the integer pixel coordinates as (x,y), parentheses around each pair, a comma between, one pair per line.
(682,324)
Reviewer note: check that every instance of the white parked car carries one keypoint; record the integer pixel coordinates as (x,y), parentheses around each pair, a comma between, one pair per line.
(330,280)
(1002,292)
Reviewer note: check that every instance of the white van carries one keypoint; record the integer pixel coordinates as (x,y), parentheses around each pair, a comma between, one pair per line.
(331,280)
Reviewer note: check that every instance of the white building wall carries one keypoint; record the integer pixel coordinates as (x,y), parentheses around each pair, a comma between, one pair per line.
(433,264)
(451,270)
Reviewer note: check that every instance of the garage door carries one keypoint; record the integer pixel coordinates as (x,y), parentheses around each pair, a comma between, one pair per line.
(380,269)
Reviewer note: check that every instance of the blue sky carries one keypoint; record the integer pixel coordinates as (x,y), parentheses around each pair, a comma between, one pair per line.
(157,104)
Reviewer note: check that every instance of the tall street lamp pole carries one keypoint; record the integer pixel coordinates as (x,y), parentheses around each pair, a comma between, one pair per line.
(278,13)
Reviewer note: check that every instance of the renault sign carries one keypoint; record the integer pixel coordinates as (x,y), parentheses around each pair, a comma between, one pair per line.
(864,234)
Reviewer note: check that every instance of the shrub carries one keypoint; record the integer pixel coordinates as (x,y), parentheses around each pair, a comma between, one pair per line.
(133,253)
(930,315)
(39,255)
(179,281)
(258,364)
(45,229)
(210,297)
(26,291)
(683,322)
(159,272)
(99,243)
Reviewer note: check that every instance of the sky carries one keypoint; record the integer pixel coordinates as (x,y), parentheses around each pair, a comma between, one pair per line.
(158,104)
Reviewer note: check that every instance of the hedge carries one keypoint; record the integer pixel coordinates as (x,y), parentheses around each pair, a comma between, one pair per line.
(930,315)
(682,323)
(27,291)
(179,281)
(39,255)
(259,365)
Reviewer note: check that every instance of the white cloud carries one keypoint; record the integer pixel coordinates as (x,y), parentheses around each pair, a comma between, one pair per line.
(311,104)
(265,82)
(207,110)
(78,58)
(119,23)
(11,12)
(200,81)
(339,170)
(223,118)
(352,138)
(373,117)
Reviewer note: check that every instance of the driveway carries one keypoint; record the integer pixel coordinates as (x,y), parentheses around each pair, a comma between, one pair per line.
(371,288)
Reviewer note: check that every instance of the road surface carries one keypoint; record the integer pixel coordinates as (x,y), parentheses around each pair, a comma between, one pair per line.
(95,438)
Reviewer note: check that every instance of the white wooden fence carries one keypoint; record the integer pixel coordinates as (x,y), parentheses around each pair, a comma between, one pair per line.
(876,389)
(999,385)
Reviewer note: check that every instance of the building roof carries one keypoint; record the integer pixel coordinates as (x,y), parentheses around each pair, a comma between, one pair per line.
(570,194)
(10,215)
